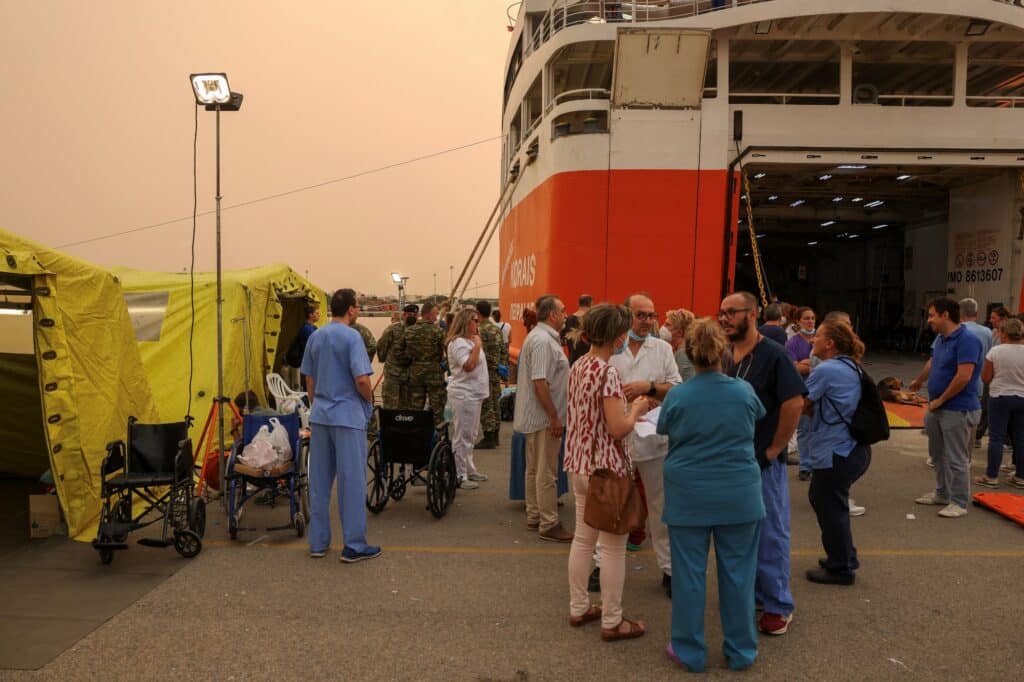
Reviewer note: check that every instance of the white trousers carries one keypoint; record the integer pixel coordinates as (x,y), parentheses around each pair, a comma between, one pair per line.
(652,474)
(466,424)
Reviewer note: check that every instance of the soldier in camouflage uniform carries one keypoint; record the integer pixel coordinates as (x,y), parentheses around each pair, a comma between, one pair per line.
(371,348)
(424,346)
(391,351)
(494,351)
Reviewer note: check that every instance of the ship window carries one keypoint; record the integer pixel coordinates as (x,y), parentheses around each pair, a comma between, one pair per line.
(995,75)
(579,122)
(513,68)
(912,74)
(534,103)
(514,136)
(711,75)
(783,72)
(582,71)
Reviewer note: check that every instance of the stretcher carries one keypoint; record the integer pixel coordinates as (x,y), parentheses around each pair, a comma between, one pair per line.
(1005,504)
(903,416)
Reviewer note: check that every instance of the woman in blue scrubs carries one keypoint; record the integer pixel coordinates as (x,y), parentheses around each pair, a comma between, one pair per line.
(712,490)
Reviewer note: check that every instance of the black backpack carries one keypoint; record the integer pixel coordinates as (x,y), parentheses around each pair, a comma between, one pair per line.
(870,422)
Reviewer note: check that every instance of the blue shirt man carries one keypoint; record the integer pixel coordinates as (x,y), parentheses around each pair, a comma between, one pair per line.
(338,372)
(953,407)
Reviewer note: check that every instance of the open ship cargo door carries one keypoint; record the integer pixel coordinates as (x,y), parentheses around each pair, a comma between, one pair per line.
(659,68)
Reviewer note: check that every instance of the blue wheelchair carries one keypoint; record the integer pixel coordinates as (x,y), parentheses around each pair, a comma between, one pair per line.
(285,480)
(409,450)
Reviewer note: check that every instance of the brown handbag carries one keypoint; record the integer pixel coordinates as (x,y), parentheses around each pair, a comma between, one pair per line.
(613,502)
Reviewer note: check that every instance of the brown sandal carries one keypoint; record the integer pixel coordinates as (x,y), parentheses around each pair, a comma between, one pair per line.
(591,614)
(636,629)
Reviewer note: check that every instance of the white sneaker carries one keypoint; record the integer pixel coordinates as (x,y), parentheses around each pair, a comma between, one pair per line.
(952,511)
(1008,469)
(855,509)
(477,477)
(466,484)
(932,498)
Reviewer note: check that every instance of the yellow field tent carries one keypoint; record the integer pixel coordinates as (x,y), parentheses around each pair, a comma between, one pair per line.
(73,392)
(264,308)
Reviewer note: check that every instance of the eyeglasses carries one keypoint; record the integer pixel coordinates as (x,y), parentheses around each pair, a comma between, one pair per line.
(731,312)
(646,316)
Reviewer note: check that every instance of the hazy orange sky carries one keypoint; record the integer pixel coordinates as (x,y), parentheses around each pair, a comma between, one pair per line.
(97,123)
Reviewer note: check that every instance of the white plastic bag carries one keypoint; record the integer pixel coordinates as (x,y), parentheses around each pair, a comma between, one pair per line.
(260,452)
(279,439)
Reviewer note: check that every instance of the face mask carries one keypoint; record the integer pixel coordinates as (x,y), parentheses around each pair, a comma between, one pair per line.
(806,332)
(636,337)
(621,349)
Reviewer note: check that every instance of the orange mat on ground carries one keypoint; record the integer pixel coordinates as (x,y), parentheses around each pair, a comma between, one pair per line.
(1005,504)
(905,416)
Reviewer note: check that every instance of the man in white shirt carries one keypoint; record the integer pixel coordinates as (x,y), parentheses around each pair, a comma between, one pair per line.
(541,403)
(504,327)
(648,367)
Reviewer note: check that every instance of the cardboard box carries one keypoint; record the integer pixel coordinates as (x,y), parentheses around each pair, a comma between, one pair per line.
(43,515)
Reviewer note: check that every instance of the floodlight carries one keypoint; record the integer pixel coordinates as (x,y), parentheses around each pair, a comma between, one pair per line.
(828,223)
(879,227)
(396,278)
(824,177)
(773,197)
(903,177)
(758,176)
(211,88)
(857,200)
(836,200)
(798,202)
(812,243)
(977,27)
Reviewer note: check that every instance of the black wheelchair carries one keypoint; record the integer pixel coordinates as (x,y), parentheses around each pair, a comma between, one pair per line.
(409,449)
(145,479)
(287,480)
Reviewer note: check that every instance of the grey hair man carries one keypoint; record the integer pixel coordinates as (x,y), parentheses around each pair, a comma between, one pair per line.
(541,403)
(648,367)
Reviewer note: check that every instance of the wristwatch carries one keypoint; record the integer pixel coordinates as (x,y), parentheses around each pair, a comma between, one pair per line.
(653,390)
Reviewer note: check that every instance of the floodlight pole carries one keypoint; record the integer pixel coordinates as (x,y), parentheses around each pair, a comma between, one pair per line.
(220,332)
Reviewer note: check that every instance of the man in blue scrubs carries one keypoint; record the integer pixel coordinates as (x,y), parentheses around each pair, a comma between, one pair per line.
(769,370)
(338,372)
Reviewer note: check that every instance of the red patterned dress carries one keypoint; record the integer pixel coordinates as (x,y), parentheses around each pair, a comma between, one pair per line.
(588,445)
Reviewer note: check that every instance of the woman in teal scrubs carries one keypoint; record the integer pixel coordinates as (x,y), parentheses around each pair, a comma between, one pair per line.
(712,489)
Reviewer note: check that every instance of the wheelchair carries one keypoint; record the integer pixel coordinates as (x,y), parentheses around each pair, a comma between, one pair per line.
(409,449)
(289,480)
(151,470)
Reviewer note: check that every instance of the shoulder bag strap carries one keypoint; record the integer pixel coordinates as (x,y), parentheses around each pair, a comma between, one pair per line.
(852,365)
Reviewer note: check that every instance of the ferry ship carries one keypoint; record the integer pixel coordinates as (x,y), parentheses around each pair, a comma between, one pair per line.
(863,156)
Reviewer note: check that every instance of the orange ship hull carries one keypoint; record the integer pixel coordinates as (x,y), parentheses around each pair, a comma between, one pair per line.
(613,233)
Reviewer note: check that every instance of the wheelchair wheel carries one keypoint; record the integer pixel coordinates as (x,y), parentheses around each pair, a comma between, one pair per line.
(441,478)
(187,543)
(197,516)
(232,528)
(300,525)
(303,481)
(377,484)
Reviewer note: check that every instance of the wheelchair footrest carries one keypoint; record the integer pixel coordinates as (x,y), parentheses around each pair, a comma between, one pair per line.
(115,528)
(155,542)
(96,544)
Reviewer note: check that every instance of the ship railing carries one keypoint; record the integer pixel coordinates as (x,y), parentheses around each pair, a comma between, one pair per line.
(995,101)
(566,13)
(575,95)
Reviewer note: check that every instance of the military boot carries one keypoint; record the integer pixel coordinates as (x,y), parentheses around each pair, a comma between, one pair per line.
(489,442)
(494,434)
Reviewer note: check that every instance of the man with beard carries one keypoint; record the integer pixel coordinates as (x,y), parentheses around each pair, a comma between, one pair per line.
(391,351)
(771,373)
(647,367)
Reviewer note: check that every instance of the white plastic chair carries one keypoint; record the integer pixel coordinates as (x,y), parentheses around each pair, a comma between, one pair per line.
(287,399)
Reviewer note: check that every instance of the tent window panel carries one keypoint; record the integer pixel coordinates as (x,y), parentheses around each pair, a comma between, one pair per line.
(147,312)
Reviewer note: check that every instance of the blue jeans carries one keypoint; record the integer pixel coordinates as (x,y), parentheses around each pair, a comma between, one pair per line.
(337,452)
(736,559)
(1005,418)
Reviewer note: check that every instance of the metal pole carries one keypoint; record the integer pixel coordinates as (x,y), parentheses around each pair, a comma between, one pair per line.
(220,333)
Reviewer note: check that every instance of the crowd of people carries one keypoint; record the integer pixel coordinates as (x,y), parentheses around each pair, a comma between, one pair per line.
(701,415)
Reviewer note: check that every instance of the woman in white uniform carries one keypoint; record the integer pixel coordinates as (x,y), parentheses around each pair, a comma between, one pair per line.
(468,386)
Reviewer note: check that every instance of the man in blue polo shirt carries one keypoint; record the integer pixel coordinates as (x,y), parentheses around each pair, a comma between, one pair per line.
(954,407)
